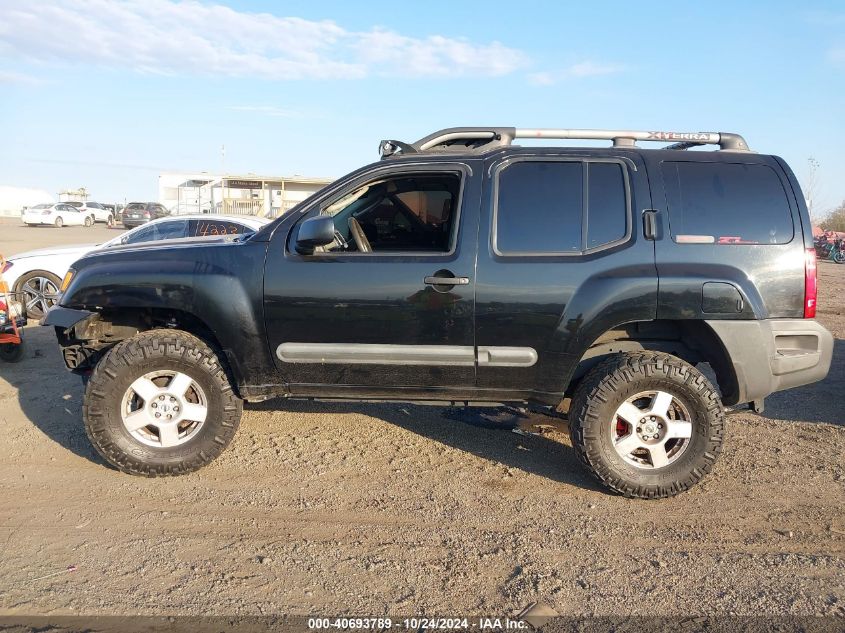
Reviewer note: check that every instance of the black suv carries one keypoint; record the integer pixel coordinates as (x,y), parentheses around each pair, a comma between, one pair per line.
(465,269)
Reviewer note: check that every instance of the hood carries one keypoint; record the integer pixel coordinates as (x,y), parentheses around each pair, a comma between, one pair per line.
(77,249)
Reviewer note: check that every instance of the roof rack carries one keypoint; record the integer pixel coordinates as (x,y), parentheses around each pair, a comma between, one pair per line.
(486,138)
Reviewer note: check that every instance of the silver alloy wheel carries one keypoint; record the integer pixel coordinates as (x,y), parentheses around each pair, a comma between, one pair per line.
(651,429)
(164,409)
(39,293)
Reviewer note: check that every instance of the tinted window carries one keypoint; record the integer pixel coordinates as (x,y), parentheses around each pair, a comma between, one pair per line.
(539,208)
(410,213)
(726,203)
(607,209)
(160,231)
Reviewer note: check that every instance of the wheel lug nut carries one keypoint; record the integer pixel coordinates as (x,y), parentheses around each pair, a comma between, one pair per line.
(161,397)
(158,415)
(172,399)
(155,405)
(639,429)
(170,416)
(176,409)
(659,426)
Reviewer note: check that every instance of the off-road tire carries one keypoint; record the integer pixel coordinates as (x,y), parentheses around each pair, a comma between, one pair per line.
(621,376)
(150,351)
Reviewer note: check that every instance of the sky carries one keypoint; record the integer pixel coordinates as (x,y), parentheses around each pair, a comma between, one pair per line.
(108,95)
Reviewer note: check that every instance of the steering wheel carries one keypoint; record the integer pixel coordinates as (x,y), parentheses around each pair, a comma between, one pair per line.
(360,238)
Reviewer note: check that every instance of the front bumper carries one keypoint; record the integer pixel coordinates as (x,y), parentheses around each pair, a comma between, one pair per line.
(774,355)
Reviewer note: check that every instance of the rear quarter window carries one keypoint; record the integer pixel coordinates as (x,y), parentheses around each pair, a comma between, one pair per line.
(560,207)
(726,203)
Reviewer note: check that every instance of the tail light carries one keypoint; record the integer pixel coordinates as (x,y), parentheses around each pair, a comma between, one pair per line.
(146,214)
(811,284)
(47,212)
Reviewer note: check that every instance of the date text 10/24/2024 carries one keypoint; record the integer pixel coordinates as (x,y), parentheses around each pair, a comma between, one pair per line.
(418,623)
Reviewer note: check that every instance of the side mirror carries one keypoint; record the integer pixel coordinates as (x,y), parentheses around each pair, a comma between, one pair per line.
(316,231)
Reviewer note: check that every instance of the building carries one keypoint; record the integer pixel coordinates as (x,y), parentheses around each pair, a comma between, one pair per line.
(14,199)
(73,195)
(234,194)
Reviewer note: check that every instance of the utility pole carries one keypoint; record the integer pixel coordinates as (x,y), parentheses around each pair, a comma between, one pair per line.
(811,187)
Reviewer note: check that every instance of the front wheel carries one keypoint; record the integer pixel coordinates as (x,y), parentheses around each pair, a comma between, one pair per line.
(646,424)
(160,404)
(839,256)
(89,220)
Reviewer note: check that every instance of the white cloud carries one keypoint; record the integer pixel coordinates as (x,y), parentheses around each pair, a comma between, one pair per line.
(189,37)
(575,71)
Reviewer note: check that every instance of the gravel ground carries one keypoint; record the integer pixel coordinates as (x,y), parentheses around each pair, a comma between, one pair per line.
(398,509)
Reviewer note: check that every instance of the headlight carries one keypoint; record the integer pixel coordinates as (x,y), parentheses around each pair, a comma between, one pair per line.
(66,281)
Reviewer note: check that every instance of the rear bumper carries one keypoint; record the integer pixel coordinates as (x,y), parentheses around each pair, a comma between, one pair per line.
(131,224)
(774,355)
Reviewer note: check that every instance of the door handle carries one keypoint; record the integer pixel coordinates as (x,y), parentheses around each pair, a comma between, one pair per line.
(447,281)
(650,224)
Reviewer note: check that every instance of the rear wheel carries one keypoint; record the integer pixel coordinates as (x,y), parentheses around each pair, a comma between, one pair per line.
(110,221)
(89,220)
(646,424)
(839,256)
(160,404)
(59,222)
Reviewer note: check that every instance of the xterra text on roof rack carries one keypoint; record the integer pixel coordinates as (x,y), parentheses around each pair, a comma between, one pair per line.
(464,269)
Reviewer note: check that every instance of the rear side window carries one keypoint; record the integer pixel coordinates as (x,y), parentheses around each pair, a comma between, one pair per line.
(726,203)
(559,207)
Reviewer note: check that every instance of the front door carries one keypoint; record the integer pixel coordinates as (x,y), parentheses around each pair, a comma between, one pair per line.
(387,308)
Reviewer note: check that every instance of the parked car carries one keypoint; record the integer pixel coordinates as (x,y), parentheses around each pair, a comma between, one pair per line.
(462,268)
(137,213)
(59,214)
(97,211)
(38,274)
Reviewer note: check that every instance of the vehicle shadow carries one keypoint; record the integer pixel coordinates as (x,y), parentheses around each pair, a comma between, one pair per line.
(817,402)
(511,437)
(48,395)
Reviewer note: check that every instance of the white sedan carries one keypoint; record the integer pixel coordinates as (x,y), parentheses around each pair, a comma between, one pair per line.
(38,274)
(58,215)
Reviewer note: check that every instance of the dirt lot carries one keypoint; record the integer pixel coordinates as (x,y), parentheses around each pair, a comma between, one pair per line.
(375,509)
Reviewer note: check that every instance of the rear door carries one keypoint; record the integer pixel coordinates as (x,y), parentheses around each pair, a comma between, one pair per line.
(731,244)
(562,260)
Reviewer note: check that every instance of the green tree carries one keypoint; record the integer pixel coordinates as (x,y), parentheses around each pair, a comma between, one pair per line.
(835,221)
